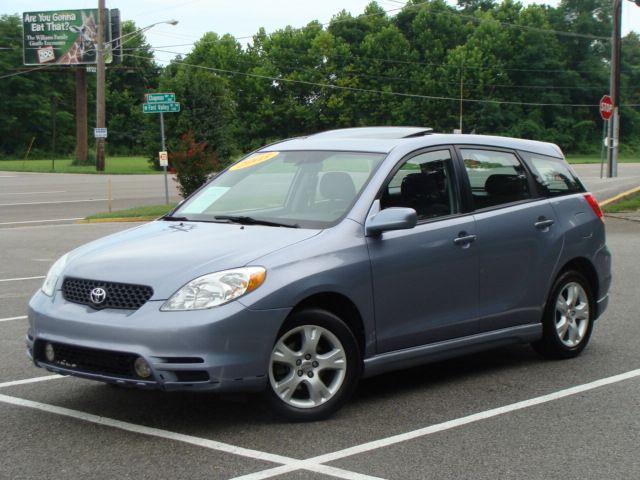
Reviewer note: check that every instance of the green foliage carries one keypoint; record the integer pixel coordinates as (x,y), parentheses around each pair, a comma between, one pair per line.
(113,165)
(146,212)
(499,67)
(193,163)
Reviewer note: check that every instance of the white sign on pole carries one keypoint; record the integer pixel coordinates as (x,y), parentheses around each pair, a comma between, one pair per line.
(164,159)
(100,133)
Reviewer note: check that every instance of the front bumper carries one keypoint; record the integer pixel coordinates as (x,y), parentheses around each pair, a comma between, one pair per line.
(223,349)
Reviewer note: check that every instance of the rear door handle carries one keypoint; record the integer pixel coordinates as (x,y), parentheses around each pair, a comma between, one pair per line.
(542,224)
(464,239)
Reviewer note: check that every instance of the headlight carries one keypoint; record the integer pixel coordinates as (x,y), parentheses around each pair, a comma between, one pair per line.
(49,285)
(216,289)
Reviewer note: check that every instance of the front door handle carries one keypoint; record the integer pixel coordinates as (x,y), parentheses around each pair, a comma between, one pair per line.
(464,239)
(543,223)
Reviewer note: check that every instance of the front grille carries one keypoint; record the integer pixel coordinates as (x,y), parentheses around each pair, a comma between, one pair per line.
(90,360)
(118,295)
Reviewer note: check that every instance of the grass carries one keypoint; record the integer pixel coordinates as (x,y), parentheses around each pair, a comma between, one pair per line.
(113,165)
(148,212)
(594,158)
(630,203)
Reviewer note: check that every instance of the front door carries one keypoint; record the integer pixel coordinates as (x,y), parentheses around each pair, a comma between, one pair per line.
(425,280)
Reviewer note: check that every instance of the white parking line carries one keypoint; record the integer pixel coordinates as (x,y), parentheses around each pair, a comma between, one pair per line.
(440,427)
(20,279)
(314,464)
(179,437)
(31,380)
(42,221)
(8,319)
(52,203)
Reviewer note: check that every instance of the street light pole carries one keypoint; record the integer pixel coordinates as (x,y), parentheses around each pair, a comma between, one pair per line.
(100,86)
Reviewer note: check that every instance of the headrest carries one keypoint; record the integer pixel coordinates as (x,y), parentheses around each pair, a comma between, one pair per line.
(337,186)
(500,184)
(416,184)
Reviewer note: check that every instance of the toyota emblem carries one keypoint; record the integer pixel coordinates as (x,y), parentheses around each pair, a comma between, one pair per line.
(98,295)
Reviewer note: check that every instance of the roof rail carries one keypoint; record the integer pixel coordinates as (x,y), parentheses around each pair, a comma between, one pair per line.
(374,132)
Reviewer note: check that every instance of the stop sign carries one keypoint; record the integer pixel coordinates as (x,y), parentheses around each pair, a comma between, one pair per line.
(606,107)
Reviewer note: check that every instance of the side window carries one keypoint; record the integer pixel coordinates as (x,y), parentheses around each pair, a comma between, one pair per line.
(553,175)
(496,178)
(426,184)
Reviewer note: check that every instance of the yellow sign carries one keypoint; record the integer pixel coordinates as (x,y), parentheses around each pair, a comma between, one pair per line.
(254,160)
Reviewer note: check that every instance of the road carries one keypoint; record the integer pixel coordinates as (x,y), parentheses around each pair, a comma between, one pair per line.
(41,198)
(52,198)
(503,414)
(604,188)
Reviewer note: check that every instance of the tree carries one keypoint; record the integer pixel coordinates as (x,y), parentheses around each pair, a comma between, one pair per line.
(36,104)
(208,108)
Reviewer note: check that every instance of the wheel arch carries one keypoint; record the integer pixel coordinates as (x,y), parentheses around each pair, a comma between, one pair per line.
(586,268)
(342,307)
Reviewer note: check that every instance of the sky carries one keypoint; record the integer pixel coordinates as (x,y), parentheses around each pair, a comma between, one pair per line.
(240,18)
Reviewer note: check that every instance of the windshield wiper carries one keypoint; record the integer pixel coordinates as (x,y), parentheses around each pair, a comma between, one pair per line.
(243,220)
(169,218)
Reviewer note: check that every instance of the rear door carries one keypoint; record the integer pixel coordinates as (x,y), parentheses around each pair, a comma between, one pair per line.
(518,238)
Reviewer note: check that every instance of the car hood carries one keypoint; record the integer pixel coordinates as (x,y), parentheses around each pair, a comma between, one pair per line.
(166,255)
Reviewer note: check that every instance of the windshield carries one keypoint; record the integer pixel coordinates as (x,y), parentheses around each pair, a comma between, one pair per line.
(309,189)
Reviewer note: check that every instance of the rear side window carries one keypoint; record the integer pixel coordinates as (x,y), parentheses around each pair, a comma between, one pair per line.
(496,178)
(553,175)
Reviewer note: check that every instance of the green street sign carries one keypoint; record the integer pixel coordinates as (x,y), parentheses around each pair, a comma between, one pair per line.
(165,107)
(160,97)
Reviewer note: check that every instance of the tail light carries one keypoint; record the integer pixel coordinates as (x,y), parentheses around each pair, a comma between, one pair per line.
(591,200)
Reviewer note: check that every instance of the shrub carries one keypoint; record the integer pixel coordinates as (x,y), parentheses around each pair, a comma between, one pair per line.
(193,163)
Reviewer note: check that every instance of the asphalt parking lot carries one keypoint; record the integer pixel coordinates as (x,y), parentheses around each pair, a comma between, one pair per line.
(500,414)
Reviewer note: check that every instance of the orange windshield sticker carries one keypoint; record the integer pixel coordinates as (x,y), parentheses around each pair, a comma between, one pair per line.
(254,160)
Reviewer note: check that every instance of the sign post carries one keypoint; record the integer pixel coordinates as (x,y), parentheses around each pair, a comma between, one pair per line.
(606,112)
(162,103)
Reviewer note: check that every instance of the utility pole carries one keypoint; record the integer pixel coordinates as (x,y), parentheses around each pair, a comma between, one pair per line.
(100,86)
(81,115)
(614,123)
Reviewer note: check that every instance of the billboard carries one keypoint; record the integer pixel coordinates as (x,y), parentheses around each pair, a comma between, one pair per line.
(64,37)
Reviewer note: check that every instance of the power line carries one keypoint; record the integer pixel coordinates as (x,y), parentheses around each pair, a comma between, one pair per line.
(366,90)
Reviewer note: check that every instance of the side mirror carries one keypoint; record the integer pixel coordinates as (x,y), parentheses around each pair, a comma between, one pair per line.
(391,219)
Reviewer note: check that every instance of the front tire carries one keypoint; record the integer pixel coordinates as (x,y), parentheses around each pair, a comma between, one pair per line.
(314,366)
(568,318)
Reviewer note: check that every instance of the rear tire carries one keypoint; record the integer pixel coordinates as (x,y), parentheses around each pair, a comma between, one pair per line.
(314,366)
(568,317)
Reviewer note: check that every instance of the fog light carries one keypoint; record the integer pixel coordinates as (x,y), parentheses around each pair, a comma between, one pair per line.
(49,352)
(142,368)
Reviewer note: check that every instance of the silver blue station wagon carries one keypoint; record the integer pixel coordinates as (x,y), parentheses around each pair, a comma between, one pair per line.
(314,262)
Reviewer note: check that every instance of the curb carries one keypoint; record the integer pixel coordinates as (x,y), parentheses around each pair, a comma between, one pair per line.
(623,217)
(619,196)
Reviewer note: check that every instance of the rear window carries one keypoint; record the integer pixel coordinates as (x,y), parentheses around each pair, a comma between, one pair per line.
(553,175)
